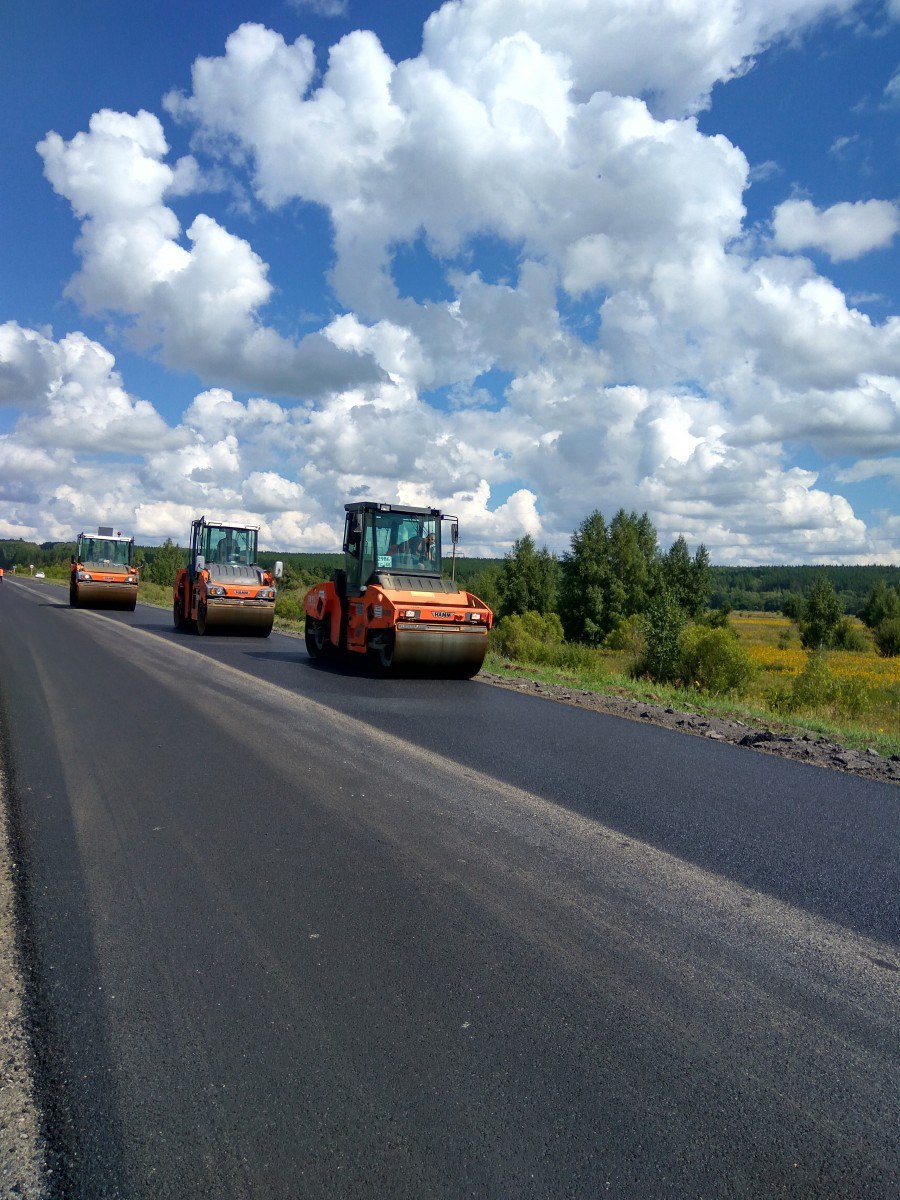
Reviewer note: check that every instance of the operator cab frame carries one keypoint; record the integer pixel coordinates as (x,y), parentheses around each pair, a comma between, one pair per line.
(105,549)
(216,542)
(392,541)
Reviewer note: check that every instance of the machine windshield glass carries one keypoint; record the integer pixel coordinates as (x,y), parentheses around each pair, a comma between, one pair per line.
(404,542)
(105,552)
(229,547)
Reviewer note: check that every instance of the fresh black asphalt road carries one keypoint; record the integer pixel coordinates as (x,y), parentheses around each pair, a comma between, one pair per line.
(298,932)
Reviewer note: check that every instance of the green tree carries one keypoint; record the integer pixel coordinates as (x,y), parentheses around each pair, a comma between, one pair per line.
(821,616)
(887,637)
(677,572)
(585,582)
(702,576)
(166,561)
(663,623)
(633,552)
(689,579)
(528,579)
(794,607)
(882,604)
(486,586)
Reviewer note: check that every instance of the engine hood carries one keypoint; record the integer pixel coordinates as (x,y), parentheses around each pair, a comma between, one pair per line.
(250,576)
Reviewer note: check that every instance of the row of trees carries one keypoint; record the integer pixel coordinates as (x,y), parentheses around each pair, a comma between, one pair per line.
(612,572)
(616,586)
(768,589)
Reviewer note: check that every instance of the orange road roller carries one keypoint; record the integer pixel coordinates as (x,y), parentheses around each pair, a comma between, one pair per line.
(103,574)
(391,602)
(223,589)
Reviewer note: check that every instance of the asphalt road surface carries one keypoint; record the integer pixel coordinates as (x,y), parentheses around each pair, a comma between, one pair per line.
(298,932)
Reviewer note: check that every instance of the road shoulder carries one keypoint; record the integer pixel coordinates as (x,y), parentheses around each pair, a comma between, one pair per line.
(807,748)
(22,1160)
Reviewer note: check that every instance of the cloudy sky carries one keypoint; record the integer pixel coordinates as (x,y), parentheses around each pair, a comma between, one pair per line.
(517,258)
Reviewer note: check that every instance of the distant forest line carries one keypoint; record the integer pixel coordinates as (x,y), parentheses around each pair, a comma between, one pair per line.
(748,588)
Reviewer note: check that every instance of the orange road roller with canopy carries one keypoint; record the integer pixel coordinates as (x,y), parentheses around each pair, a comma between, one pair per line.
(391,602)
(223,589)
(103,574)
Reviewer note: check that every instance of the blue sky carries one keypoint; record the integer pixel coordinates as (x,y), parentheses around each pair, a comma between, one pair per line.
(522,261)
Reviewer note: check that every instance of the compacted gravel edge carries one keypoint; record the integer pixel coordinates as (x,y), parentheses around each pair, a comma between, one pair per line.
(23,1164)
(808,748)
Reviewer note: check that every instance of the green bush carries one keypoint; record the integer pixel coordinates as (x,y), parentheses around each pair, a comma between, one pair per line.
(289,607)
(514,636)
(716,618)
(628,635)
(815,687)
(794,607)
(537,639)
(779,699)
(883,603)
(713,659)
(663,623)
(887,637)
(852,697)
(848,636)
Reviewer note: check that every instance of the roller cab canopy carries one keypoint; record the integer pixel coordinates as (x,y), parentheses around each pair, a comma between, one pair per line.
(396,547)
(112,551)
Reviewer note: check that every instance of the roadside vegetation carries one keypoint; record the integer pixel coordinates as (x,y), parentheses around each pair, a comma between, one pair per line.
(616,614)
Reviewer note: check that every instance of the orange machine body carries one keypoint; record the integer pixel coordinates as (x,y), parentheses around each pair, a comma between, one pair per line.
(103,574)
(223,589)
(392,602)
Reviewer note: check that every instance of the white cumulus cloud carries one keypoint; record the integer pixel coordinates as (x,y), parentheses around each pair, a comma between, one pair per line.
(604,329)
(200,302)
(843,231)
(671,51)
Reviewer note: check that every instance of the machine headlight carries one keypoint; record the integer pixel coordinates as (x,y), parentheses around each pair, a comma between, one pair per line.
(213,589)
(266,594)
(131,579)
(83,577)
(410,614)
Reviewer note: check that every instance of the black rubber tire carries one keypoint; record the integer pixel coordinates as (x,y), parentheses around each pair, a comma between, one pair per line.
(73,596)
(318,643)
(381,657)
(201,619)
(177,614)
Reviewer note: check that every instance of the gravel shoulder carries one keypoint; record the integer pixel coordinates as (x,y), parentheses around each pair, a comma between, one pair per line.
(808,748)
(22,1160)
